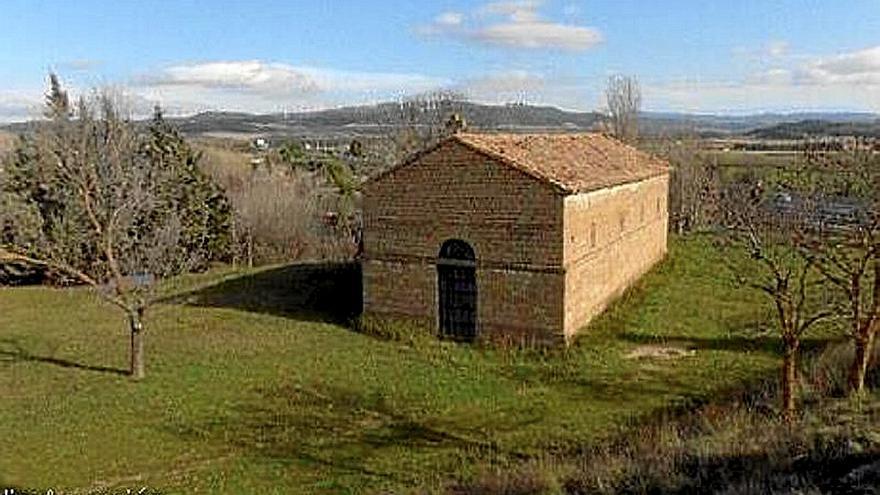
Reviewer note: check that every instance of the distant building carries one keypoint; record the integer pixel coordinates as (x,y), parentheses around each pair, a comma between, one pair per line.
(512,237)
(261,144)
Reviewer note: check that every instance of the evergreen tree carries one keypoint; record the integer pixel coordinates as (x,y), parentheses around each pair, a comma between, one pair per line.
(93,198)
(204,210)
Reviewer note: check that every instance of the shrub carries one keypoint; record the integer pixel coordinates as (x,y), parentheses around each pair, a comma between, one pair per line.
(284,214)
(144,183)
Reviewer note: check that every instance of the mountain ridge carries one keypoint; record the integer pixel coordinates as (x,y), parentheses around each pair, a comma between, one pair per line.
(375,119)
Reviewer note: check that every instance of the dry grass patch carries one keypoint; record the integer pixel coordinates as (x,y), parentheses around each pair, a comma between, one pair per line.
(7,142)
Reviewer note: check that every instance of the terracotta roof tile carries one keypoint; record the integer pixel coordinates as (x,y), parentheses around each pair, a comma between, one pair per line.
(573,162)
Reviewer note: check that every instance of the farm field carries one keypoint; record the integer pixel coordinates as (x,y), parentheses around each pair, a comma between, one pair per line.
(255,384)
(756,159)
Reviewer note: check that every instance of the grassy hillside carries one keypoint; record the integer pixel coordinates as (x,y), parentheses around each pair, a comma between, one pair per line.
(820,128)
(254,386)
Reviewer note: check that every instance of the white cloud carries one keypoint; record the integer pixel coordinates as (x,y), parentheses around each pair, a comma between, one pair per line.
(775,76)
(449,19)
(513,24)
(539,34)
(443,24)
(268,78)
(754,96)
(793,82)
(524,10)
(861,67)
(506,81)
(247,75)
(260,86)
(776,48)
(503,86)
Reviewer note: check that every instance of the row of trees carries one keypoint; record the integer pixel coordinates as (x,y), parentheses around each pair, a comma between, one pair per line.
(95,199)
(812,232)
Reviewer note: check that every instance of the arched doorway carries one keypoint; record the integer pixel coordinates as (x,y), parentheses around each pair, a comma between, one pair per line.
(457,289)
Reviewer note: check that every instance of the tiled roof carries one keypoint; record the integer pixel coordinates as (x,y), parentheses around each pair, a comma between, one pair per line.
(573,162)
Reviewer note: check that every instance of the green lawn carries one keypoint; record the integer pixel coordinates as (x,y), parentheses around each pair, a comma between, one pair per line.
(254,386)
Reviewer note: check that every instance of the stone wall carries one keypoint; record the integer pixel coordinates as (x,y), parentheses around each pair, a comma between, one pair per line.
(612,237)
(546,263)
(513,222)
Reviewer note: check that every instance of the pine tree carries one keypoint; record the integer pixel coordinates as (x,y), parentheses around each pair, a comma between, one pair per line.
(203,207)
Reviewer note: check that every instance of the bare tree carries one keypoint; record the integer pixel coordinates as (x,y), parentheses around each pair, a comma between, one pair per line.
(420,121)
(694,185)
(623,95)
(845,238)
(768,237)
(88,200)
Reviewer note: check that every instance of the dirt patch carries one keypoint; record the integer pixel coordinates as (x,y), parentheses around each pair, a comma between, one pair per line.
(659,352)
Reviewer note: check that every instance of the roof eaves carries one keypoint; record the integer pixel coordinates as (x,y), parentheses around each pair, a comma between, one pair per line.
(586,190)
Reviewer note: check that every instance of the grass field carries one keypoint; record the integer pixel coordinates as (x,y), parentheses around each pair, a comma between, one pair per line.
(254,385)
(756,159)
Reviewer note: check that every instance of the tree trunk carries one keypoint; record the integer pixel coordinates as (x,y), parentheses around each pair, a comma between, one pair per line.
(250,249)
(864,341)
(864,346)
(137,344)
(789,381)
(236,243)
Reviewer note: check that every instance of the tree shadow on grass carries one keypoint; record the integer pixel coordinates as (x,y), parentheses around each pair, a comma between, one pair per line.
(326,292)
(745,333)
(344,431)
(11,351)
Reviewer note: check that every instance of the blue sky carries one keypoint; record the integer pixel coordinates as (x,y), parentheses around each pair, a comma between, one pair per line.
(261,56)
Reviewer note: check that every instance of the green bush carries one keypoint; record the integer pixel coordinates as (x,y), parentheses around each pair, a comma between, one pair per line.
(178,208)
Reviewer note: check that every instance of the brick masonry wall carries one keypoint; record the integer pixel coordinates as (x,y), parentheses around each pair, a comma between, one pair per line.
(612,237)
(512,221)
(546,263)
(507,216)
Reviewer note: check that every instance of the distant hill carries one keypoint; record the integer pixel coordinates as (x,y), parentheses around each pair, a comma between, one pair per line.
(804,128)
(376,119)
(709,125)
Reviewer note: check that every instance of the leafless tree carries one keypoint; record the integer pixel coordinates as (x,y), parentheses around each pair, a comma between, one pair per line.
(420,121)
(767,236)
(623,95)
(694,185)
(845,238)
(86,202)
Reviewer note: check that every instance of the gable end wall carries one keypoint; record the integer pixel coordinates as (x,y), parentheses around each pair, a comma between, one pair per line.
(512,220)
